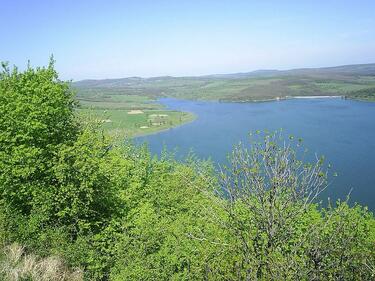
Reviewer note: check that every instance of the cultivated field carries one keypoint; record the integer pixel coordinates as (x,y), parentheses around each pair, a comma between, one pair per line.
(132,123)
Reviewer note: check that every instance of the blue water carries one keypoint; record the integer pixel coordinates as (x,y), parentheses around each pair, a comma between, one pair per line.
(341,130)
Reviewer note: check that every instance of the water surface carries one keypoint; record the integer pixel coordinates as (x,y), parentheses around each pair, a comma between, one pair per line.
(341,130)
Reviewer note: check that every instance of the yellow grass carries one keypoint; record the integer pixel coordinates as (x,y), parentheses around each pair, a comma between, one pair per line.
(16,265)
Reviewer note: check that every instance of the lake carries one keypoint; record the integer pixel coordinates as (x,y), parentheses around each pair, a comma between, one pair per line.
(341,130)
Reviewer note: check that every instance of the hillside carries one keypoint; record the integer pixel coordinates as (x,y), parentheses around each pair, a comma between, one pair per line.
(348,80)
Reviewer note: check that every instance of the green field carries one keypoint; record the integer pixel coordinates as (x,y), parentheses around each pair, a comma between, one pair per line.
(114,108)
(104,98)
(130,123)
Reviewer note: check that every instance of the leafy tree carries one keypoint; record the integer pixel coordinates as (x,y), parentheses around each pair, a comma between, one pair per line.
(36,117)
(277,231)
(166,229)
(58,177)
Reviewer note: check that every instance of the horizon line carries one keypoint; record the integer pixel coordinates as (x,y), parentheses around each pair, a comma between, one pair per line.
(223,74)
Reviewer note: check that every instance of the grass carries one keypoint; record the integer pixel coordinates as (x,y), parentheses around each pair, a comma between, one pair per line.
(120,122)
(114,99)
(17,265)
(112,106)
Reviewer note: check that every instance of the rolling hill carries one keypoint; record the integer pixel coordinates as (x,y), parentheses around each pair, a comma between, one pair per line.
(351,81)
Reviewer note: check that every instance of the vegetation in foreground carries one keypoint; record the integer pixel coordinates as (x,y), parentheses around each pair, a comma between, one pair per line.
(113,212)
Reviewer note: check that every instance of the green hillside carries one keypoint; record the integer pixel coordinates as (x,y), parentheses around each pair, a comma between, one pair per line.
(348,81)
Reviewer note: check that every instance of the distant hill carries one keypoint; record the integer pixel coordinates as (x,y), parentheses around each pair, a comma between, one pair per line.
(345,70)
(255,73)
(346,80)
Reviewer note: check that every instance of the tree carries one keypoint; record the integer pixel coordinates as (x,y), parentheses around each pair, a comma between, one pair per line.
(58,175)
(277,230)
(36,117)
(168,233)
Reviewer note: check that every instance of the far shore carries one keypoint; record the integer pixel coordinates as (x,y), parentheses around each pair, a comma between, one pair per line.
(282,98)
(313,97)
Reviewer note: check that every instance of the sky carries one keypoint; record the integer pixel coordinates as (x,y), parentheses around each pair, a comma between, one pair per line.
(92,39)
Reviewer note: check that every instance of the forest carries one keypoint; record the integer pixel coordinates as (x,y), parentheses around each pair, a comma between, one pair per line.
(77,203)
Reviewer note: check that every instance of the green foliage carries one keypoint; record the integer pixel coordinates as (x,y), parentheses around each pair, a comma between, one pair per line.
(175,201)
(363,94)
(68,190)
(36,117)
(340,245)
(58,180)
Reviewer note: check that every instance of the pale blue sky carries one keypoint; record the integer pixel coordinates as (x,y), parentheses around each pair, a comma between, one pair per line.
(110,39)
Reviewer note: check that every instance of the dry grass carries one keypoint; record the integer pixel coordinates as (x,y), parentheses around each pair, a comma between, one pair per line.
(16,265)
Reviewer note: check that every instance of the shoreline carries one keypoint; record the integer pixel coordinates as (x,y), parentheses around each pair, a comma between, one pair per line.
(194,117)
(315,97)
(278,99)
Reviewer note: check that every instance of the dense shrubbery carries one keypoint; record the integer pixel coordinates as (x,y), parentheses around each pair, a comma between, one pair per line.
(364,94)
(111,209)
